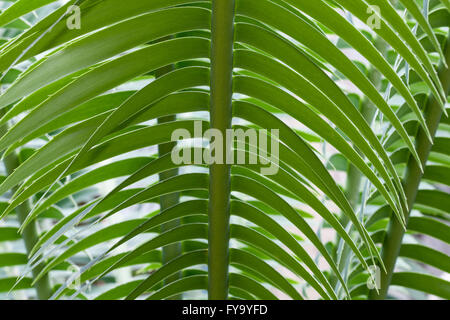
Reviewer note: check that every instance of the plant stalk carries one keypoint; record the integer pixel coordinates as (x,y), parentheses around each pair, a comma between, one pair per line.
(354,176)
(173,250)
(222,33)
(393,240)
(368,111)
(30,234)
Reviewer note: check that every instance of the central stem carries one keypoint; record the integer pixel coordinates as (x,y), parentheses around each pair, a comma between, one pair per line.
(222,34)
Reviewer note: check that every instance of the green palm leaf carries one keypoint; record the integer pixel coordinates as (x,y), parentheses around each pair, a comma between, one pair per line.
(87,122)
